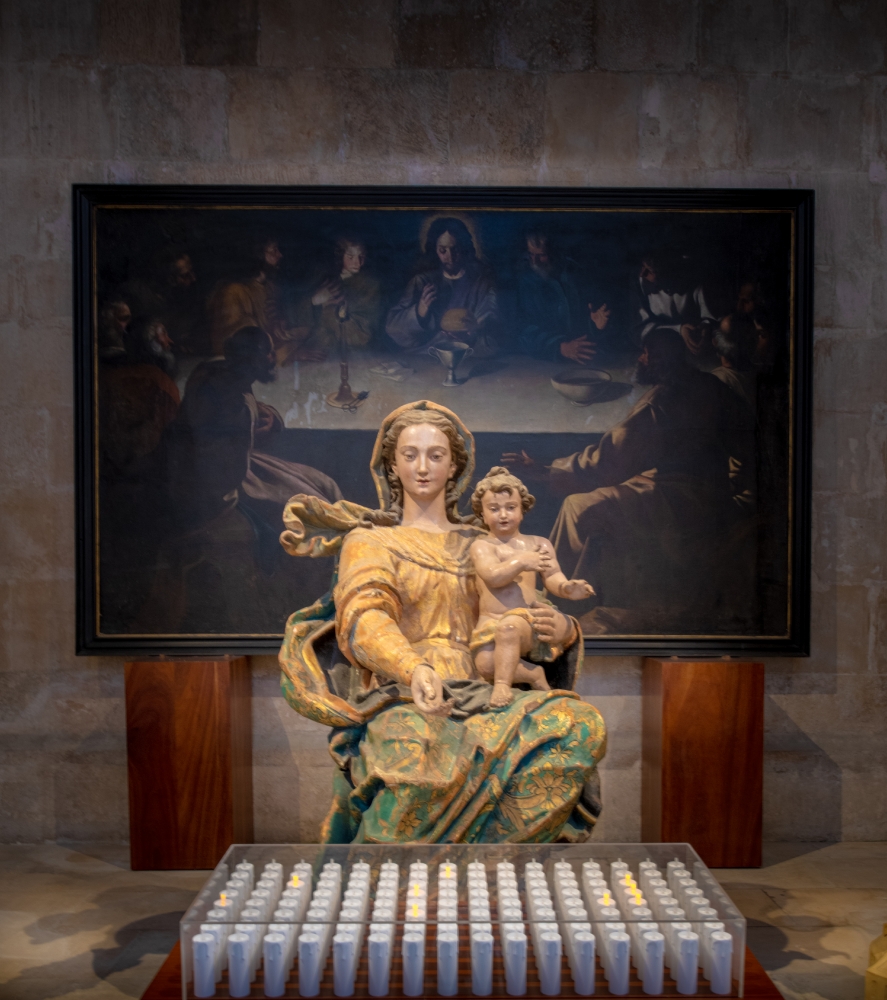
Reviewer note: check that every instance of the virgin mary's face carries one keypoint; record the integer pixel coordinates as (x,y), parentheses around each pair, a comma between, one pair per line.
(423,462)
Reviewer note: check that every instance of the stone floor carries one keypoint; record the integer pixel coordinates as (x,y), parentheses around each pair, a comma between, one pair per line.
(76,923)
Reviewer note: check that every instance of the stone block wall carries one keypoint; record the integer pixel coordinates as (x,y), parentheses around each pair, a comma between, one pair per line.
(538,92)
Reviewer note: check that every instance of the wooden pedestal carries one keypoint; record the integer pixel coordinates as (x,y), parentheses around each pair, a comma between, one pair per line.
(703,758)
(189,748)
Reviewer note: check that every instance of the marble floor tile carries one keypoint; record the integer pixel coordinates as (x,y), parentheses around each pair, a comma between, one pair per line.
(77,923)
(812,912)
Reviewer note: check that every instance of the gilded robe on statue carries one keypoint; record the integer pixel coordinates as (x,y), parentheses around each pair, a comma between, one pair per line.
(404,596)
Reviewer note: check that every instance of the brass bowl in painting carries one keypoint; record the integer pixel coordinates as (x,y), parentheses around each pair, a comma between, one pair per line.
(582,386)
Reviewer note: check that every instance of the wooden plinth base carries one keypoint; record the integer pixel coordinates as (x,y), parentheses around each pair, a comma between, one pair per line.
(167,984)
(703,758)
(189,750)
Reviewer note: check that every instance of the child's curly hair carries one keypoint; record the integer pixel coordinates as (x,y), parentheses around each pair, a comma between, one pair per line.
(500,480)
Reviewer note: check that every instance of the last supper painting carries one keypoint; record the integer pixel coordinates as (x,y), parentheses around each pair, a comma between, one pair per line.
(639,359)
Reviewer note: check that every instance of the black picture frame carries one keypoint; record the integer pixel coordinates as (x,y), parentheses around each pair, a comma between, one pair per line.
(791,210)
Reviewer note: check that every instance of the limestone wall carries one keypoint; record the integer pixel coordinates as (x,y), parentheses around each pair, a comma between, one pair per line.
(610,92)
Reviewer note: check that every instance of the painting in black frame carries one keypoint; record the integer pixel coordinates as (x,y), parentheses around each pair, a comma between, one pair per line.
(641,357)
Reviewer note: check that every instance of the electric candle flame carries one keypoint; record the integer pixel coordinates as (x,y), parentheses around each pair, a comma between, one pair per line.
(606,899)
(447,872)
(415,909)
(295,882)
(416,889)
(224,899)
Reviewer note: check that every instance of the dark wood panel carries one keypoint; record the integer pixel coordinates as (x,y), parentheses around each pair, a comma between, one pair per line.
(150,748)
(242,751)
(167,984)
(189,739)
(704,738)
(651,752)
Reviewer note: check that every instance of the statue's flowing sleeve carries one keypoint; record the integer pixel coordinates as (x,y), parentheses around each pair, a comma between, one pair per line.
(369,608)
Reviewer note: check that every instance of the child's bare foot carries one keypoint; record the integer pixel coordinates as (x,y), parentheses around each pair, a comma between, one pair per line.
(502,695)
(535,676)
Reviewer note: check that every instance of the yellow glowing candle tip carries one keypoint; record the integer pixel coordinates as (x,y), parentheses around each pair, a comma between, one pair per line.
(416,889)
(447,871)
(223,898)
(415,909)
(606,899)
(295,882)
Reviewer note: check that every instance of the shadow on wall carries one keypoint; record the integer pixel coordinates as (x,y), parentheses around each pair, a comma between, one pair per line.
(802,784)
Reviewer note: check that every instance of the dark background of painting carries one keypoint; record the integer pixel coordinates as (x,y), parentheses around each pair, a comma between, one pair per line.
(604,249)
(718,250)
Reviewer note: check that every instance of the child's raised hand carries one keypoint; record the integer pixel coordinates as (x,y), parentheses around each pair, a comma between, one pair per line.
(577,590)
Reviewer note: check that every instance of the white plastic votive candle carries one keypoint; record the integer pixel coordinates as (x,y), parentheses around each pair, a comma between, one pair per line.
(447,963)
(240,972)
(617,966)
(203,951)
(653,945)
(413,963)
(379,948)
(481,963)
(687,954)
(309,964)
(515,955)
(721,963)
(274,954)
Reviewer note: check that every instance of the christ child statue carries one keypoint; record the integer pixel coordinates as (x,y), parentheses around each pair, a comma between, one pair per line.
(506,563)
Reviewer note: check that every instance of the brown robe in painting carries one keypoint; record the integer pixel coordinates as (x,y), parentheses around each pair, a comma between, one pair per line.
(657,519)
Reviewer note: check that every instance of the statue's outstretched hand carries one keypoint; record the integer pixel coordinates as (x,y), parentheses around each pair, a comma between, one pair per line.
(427,689)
